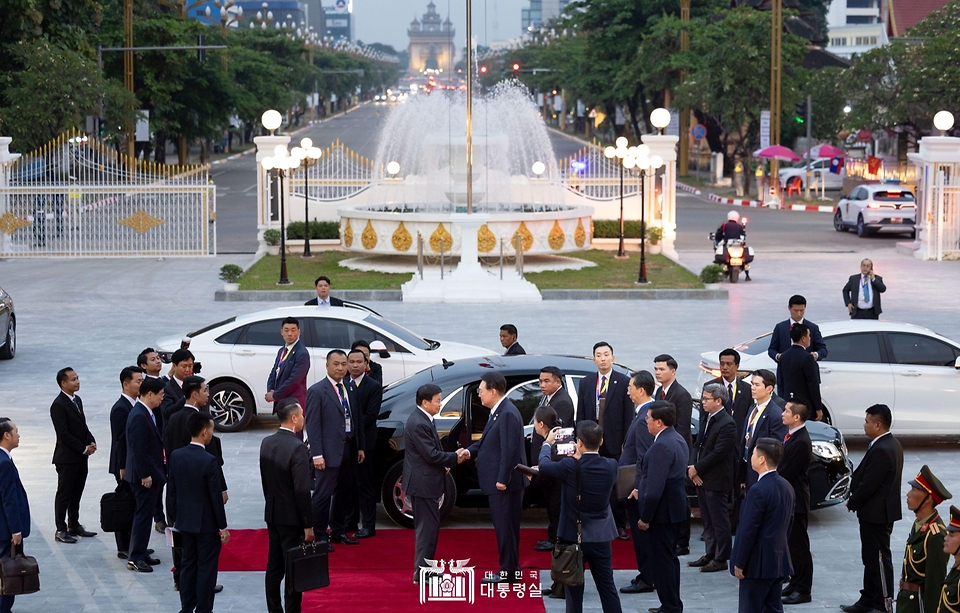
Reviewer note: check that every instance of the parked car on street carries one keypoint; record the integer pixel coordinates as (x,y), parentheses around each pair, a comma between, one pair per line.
(877,207)
(911,369)
(796,175)
(238,353)
(8,327)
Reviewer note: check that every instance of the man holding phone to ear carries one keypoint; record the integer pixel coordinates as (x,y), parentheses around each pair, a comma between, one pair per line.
(862,292)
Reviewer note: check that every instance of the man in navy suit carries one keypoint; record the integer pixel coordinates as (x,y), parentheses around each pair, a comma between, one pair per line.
(130,379)
(373,369)
(503,448)
(761,555)
(75,444)
(173,397)
(508,339)
(369,392)
(738,391)
(670,390)
(334,430)
(797,372)
(638,441)
(288,377)
(603,398)
(195,509)
(587,482)
(797,455)
(764,420)
(144,471)
(322,284)
(14,508)
(663,504)
(780,339)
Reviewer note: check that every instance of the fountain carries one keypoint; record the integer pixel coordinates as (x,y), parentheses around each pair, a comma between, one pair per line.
(422,191)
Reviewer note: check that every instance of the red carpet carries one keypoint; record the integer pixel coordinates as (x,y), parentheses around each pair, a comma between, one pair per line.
(376,575)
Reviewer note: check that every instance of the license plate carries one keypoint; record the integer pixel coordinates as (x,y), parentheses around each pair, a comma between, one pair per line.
(736,261)
(896,220)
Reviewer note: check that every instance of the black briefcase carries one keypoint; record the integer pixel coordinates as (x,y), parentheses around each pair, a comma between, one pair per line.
(19,573)
(116,509)
(307,567)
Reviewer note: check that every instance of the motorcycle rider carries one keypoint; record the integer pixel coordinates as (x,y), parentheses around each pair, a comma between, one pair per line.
(731,229)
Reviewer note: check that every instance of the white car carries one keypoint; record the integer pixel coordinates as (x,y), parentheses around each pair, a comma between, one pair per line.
(237,354)
(877,207)
(911,369)
(819,171)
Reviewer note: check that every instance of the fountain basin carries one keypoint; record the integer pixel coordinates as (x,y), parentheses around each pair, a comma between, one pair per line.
(389,230)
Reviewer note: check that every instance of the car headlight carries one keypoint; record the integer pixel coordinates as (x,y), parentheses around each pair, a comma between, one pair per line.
(825,450)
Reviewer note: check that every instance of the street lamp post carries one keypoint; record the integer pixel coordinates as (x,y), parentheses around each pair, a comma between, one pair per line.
(621,152)
(308,155)
(639,158)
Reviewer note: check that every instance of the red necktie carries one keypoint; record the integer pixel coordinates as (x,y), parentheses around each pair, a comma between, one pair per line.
(786,438)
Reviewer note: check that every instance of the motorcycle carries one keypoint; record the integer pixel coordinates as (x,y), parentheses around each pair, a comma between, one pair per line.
(733,254)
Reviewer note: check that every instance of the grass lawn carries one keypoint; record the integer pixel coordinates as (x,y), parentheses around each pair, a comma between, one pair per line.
(609,274)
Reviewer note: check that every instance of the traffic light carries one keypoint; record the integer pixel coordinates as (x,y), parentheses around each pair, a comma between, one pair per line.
(516,68)
(483,70)
(801,115)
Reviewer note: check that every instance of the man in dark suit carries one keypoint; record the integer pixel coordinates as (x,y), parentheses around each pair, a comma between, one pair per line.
(75,444)
(369,396)
(797,455)
(130,379)
(373,369)
(176,435)
(502,445)
(862,292)
(425,468)
(557,398)
(149,360)
(761,556)
(764,420)
(603,398)
(508,339)
(875,497)
(14,508)
(334,431)
(663,505)
(738,391)
(288,377)
(195,508)
(711,470)
(638,441)
(322,284)
(144,471)
(780,339)
(665,370)
(173,400)
(797,372)
(588,480)
(285,478)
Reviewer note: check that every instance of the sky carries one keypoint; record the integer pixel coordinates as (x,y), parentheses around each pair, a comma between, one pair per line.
(386,21)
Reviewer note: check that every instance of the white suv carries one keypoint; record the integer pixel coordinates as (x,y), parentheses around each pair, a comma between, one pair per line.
(877,207)
(911,369)
(238,353)
(819,171)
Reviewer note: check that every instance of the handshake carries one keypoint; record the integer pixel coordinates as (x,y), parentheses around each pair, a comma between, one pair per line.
(462,456)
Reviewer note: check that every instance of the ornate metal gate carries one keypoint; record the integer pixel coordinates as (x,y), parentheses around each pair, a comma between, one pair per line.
(339,173)
(590,173)
(75,197)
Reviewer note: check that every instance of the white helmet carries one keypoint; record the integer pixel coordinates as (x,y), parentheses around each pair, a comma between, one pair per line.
(733,216)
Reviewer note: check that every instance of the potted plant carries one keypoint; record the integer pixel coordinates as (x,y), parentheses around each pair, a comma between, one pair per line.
(230,275)
(711,275)
(272,238)
(654,235)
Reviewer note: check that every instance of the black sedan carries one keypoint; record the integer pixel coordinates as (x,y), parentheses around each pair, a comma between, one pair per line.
(462,418)
(8,327)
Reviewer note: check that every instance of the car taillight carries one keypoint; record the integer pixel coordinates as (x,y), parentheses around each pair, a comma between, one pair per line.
(873,205)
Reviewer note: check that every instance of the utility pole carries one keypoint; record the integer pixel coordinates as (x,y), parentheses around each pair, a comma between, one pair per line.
(776,31)
(806,195)
(469,106)
(684,113)
(129,129)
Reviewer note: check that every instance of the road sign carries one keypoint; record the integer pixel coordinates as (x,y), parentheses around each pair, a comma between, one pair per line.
(698,131)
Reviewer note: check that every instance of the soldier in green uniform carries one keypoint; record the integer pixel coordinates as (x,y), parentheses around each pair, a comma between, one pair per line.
(924,561)
(950,593)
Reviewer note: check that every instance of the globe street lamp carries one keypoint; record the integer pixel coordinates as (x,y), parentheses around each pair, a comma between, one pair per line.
(308,155)
(647,166)
(277,166)
(271,120)
(943,121)
(660,119)
(620,152)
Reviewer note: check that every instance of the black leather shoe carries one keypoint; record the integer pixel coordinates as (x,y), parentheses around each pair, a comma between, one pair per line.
(701,561)
(543,546)
(152,561)
(218,589)
(140,566)
(160,526)
(713,566)
(80,531)
(622,534)
(557,591)
(637,587)
(344,539)
(363,533)
(683,551)
(856,608)
(122,555)
(150,552)
(796,598)
(64,537)
(324,542)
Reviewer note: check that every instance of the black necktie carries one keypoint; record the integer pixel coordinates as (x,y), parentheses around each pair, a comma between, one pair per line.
(76,403)
(346,406)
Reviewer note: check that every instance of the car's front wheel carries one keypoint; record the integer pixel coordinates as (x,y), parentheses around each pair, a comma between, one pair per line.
(399,506)
(9,348)
(231,406)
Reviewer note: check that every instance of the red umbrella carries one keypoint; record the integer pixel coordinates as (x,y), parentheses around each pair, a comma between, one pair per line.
(826,151)
(778,152)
